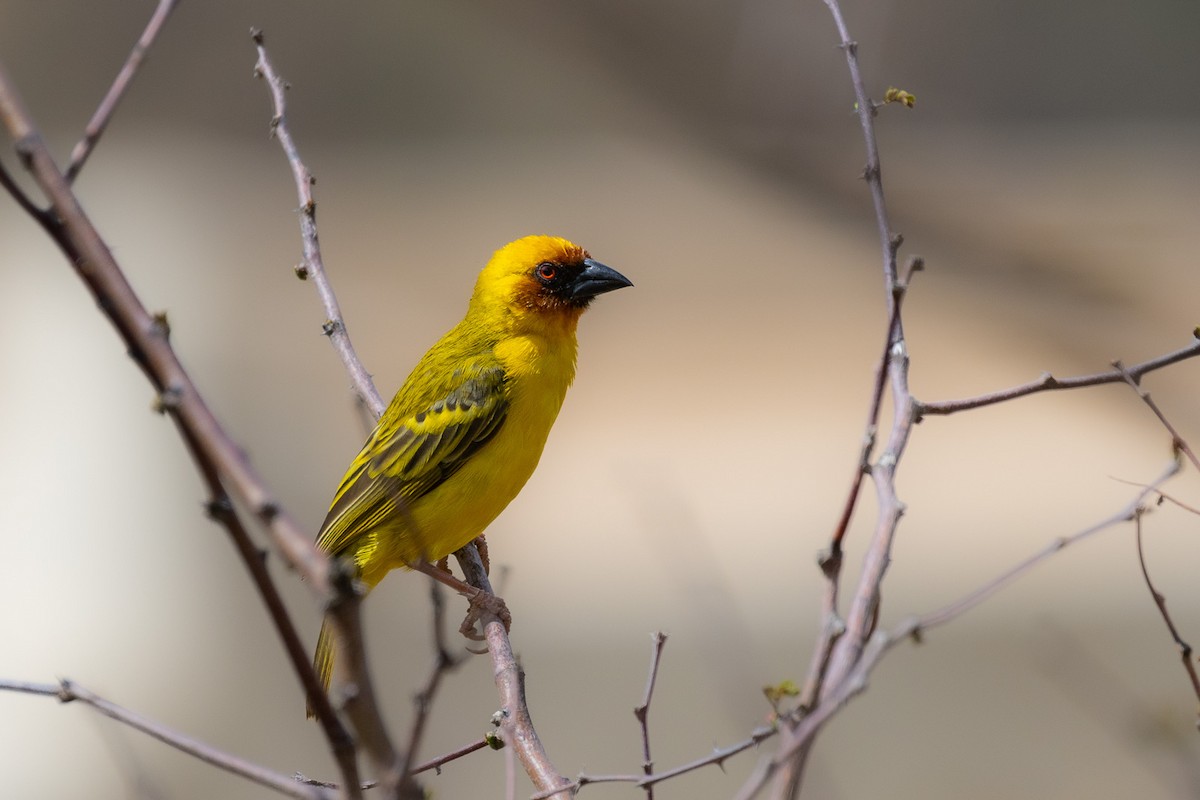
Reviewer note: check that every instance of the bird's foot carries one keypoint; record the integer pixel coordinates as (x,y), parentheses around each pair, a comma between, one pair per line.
(482,603)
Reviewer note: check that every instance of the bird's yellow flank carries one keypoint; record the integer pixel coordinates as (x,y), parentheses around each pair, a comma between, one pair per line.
(466,429)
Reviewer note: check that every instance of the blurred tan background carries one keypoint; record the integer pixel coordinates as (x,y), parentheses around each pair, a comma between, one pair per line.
(1050,175)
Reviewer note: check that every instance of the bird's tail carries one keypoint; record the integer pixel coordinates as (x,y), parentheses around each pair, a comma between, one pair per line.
(322,662)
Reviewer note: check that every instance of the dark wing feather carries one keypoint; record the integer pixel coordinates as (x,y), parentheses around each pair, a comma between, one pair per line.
(410,456)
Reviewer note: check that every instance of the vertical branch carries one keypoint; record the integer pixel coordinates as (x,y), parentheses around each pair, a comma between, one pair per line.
(1160,600)
(514,720)
(838,653)
(873,172)
(642,711)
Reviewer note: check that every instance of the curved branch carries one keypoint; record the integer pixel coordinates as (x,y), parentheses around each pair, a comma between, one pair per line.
(313,267)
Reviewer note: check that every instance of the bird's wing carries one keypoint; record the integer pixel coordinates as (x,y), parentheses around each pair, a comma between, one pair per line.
(408,457)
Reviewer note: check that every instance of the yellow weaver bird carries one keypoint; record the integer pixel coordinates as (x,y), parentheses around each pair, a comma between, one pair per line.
(466,430)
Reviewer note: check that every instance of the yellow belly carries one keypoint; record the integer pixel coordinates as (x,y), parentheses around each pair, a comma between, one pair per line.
(459,510)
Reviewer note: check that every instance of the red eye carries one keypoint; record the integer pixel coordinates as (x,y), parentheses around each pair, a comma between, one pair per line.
(547,271)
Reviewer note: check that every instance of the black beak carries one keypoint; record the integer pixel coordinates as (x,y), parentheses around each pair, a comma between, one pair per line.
(596,279)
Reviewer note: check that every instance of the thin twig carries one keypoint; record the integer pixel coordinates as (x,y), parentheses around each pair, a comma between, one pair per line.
(26,204)
(68,691)
(99,121)
(643,710)
(1049,383)
(453,755)
(432,764)
(313,267)
(1160,600)
(1177,441)
(444,662)
(830,562)
(917,625)
(1163,497)
(1178,445)
(717,757)
(514,720)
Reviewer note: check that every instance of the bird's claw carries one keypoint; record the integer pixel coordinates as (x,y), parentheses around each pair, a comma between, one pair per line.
(481,603)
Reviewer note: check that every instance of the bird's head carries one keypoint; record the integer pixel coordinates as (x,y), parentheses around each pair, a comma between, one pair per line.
(544,278)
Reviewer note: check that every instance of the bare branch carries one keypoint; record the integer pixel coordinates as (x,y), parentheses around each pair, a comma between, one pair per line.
(313,267)
(641,712)
(717,757)
(838,654)
(1160,600)
(359,701)
(453,755)
(424,766)
(1049,383)
(67,691)
(1178,445)
(1177,442)
(221,510)
(514,720)
(1126,514)
(444,662)
(108,106)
